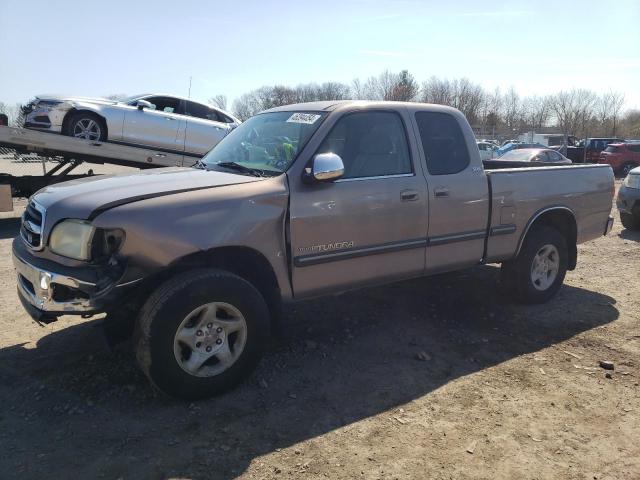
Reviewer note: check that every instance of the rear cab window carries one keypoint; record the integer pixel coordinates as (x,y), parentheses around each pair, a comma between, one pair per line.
(443,143)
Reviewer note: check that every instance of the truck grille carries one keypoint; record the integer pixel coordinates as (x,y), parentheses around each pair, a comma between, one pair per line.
(32,224)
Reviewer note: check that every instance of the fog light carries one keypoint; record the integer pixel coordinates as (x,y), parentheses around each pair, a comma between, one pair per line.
(45,280)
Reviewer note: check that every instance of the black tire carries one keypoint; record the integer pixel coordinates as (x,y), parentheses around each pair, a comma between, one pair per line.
(626,168)
(100,132)
(164,312)
(517,274)
(630,221)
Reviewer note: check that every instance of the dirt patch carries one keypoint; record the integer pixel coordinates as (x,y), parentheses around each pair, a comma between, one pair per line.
(432,378)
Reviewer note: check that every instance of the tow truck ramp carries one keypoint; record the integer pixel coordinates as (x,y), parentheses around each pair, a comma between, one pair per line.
(59,155)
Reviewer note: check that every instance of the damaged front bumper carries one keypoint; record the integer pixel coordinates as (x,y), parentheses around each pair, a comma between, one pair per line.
(48,290)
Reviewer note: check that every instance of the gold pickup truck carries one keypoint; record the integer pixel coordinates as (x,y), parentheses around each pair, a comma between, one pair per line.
(298,201)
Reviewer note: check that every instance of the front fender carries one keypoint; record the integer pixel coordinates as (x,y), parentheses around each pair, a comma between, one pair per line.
(160,231)
(112,115)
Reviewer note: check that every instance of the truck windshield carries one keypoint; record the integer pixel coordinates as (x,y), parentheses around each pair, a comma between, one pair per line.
(267,143)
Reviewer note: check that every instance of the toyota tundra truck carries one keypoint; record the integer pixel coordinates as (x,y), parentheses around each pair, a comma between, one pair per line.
(299,201)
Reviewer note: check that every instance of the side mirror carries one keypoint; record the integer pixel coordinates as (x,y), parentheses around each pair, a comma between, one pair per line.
(141,104)
(325,167)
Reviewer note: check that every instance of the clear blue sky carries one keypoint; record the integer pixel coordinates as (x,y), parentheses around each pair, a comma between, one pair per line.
(230,47)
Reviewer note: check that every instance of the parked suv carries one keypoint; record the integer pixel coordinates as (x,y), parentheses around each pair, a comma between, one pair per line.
(593,147)
(623,157)
(628,200)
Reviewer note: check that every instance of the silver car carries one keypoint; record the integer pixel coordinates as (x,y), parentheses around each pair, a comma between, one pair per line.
(535,155)
(162,122)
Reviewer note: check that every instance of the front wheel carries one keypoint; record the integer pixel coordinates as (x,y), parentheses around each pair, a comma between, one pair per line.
(87,126)
(201,333)
(536,275)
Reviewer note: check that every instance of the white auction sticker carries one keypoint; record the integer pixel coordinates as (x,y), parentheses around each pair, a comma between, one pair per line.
(303,118)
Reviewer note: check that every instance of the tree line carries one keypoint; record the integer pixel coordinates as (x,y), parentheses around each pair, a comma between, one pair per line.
(576,112)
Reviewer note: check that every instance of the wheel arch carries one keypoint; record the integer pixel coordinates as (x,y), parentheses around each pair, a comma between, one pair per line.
(72,111)
(245,262)
(562,219)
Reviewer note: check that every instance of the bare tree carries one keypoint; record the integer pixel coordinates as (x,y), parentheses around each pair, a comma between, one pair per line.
(617,103)
(357,89)
(467,97)
(630,124)
(536,112)
(247,105)
(219,101)
(437,91)
(603,112)
(575,112)
(490,111)
(512,109)
(333,91)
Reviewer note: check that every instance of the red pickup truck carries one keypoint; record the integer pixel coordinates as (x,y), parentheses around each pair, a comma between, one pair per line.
(623,157)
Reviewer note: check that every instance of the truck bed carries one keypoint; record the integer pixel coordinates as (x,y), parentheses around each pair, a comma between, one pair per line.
(584,189)
(495,164)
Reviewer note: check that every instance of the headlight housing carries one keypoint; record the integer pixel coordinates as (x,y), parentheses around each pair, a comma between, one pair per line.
(72,238)
(47,105)
(632,181)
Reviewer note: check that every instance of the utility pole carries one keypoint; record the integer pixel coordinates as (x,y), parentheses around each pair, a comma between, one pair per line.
(189,95)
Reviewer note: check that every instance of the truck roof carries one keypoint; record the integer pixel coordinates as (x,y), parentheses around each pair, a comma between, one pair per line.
(313,106)
(331,105)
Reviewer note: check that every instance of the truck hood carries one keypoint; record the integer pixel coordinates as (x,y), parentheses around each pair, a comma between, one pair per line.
(88,197)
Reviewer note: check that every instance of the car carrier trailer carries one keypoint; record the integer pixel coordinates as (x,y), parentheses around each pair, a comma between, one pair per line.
(67,153)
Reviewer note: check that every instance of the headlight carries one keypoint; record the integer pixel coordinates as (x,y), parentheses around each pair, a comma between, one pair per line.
(632,181)
(47,105)
(72,238)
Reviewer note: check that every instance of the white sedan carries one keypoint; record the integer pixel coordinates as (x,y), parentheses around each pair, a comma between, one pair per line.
(161,122)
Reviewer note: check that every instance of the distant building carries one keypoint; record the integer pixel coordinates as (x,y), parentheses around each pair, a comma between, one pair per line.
(548,139)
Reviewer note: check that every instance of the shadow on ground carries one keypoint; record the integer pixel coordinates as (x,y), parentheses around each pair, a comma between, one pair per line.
(630,234)
(339,360)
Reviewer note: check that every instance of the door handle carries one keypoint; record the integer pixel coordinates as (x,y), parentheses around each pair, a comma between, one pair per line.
(408,195)
(441,192)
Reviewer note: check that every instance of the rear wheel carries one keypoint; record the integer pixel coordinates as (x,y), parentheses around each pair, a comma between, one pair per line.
(87,126)
(630,221)
(626,168)
(536,275)
(201,333)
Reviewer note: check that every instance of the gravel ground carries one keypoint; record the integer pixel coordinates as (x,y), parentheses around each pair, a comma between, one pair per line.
(433,378)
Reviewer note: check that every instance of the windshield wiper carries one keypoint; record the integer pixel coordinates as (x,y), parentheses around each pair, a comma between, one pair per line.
(256,172)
